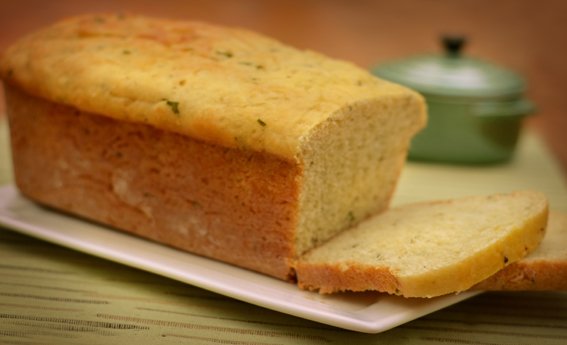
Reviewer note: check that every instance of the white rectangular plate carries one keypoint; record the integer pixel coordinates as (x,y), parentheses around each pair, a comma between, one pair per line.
(363,312)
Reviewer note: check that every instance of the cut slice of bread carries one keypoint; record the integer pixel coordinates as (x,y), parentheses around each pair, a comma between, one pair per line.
(429,249)
(544,269)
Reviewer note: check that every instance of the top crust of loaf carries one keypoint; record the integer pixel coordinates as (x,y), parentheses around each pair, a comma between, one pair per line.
(225,86)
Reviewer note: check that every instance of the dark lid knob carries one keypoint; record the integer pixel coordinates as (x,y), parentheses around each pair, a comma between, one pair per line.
(453,44)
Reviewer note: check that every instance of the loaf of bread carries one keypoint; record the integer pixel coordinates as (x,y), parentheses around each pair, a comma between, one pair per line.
(544,269)
(429,249)
(214,140)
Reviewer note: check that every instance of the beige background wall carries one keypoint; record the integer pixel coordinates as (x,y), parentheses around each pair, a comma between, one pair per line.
(529,36)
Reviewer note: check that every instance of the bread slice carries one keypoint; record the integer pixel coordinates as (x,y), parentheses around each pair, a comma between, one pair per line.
(429,249)
(544,269)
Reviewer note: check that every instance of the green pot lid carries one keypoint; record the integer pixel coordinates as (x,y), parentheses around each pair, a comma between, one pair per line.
(452,74)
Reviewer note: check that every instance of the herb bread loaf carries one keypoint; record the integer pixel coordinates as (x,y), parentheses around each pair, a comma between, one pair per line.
(214,140)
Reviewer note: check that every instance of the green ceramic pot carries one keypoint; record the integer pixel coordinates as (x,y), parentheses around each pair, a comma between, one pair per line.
(476,109)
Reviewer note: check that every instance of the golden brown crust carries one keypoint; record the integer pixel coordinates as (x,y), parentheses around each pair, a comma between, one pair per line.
(226,86)
(229,204)
(542,275)
(330,279)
